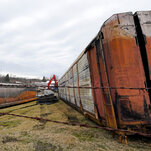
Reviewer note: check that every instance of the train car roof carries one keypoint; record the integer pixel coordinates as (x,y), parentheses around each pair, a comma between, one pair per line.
(99,34)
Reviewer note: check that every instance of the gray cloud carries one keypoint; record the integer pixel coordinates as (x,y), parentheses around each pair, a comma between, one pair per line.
(44,37)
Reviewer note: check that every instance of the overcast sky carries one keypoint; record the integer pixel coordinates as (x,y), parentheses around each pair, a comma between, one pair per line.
(44,37)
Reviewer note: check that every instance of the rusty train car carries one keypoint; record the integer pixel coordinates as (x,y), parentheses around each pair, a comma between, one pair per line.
(13,94)
(110,81)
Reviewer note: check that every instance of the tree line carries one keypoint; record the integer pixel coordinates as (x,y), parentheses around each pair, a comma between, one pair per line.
(8,79)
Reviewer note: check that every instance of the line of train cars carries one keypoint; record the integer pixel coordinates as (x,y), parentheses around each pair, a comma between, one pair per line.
(13,94)
(110,81)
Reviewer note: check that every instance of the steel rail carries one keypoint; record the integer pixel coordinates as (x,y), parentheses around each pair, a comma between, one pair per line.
(78,124)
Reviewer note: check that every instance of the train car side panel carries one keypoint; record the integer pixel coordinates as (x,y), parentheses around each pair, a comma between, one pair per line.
(72,99)
(85,81)
(95,80)
(76,84)
(125,69)
(143,19)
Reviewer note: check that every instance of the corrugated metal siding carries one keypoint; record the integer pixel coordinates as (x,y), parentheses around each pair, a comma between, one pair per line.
(67,84)
(70,79)
(85,81)
(77,97)
(62,84)
(72,100)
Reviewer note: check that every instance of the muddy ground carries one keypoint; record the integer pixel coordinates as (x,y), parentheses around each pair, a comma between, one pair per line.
(20,134)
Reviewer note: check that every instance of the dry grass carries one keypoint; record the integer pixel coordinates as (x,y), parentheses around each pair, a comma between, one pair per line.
(20,134)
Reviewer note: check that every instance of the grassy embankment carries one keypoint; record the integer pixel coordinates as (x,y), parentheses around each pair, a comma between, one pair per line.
(20,134)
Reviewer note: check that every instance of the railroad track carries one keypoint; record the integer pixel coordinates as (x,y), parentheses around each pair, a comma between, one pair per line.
(121,132)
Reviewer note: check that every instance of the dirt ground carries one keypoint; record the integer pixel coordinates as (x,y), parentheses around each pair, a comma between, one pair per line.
(21,134)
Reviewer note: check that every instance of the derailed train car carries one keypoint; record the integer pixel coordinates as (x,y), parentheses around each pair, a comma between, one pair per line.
(110,81)
(13,94)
